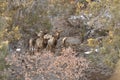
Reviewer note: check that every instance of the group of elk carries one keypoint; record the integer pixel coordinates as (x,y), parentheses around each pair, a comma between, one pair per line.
(43,40)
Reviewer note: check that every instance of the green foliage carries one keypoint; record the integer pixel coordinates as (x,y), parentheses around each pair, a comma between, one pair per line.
(3,54)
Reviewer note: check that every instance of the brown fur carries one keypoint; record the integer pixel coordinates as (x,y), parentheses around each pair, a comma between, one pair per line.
(52,41)
(40,41)
(32,44)
(46,38)
(50,44)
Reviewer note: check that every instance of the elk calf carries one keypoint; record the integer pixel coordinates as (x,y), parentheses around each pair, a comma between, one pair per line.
(32,44)
(50,43)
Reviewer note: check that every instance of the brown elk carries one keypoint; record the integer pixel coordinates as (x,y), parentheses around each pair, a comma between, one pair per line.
(52,41)
(32,42)
(40,44)
(37,42)
(46,38)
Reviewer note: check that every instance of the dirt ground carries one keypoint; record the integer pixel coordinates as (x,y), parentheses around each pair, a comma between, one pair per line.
(116,74)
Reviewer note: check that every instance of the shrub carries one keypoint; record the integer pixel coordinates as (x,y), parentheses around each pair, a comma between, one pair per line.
(66,67)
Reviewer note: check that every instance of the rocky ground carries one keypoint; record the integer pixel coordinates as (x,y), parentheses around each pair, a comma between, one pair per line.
(82,58)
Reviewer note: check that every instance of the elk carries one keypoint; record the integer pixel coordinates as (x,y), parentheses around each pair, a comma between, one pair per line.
(32,44)
(50,43)
(70,41)
(40,40)
(52,40)
(37,42)
(46,38)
